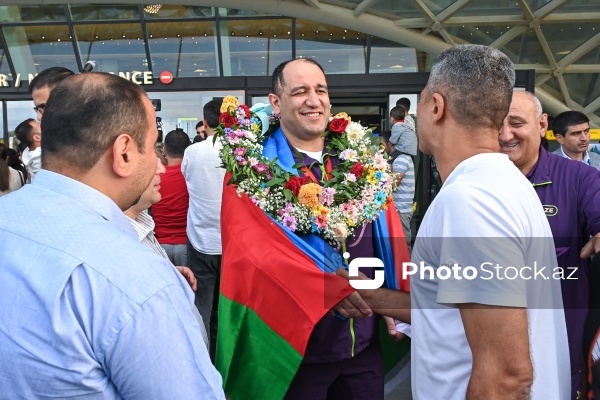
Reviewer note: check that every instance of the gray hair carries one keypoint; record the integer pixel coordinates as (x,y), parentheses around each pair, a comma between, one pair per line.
(538,105)
(476,82)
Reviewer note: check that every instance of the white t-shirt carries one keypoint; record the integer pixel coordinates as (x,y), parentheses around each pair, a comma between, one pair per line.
(204,178)
(32,161)
(486,212)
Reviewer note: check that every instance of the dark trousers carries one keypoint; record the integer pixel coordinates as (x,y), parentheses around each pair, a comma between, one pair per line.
(207,269)
(356,378)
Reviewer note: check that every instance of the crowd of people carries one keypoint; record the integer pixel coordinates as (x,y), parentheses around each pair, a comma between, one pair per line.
(111,288)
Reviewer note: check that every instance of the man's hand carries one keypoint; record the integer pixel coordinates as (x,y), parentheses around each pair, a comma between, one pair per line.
(189,276)
(353,306)
(592,247)
(391,328)
(393,303)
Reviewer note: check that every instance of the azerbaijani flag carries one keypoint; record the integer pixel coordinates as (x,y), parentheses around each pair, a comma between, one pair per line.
(273,293)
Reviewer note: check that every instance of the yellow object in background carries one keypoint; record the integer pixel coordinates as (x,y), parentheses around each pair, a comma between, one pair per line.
(594,134)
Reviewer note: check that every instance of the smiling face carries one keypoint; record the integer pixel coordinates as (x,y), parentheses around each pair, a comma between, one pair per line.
(576,140)
(522,131)
(303,103)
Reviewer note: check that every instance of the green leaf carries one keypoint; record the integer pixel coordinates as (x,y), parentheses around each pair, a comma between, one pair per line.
(288,194)
(298,165)
(274,181)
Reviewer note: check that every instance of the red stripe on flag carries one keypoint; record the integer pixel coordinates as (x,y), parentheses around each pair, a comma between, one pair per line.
(399,247)
(263,270)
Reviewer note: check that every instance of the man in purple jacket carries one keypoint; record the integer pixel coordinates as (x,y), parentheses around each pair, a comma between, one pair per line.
(570,194)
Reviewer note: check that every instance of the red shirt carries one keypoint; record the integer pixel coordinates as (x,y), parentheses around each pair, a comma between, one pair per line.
(170,213)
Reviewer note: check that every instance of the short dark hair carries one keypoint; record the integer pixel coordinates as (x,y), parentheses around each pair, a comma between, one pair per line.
(212,111)
(85,114)
(564,120)
(476,82)
(198,138)
(49,78)
(176,142)
(404,102)
(24,132)
(199,124)
(397,113)
(278,81)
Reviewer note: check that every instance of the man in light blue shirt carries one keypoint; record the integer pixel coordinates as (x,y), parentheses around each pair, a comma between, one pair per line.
(572,131)
(86,310)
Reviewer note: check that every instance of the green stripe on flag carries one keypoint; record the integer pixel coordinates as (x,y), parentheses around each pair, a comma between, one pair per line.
(254,361)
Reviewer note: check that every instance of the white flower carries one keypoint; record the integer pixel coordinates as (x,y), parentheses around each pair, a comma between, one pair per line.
(349,178)
(349,154)
(355,131)
(340,231)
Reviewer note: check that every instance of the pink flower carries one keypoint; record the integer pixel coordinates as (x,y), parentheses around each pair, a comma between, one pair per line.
(321,221)
(289,222)
(261,168)
(326,197)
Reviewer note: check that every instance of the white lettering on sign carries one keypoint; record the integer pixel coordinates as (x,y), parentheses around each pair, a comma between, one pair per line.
(138,77)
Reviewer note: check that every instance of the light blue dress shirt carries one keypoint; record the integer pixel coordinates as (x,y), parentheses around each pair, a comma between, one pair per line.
(86,310)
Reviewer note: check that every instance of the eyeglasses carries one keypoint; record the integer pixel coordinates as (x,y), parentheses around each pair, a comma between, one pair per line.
(40,108)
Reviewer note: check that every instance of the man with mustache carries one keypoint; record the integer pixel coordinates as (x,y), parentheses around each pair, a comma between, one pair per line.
(570,194)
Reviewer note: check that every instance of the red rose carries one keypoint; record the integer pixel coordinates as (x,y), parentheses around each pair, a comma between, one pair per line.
(358,170)
(246,110)
(295,183)
(338,125)
(227,120)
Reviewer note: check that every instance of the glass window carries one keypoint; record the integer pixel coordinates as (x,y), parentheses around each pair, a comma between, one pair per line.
(391,57)
(230,12)
(483,34)
(114,47)
(338,50)
(184,109)
(583,88)
(255,47)
(398,8)
(103,12)
(553,87)
(525,49)
(174,11)
(185,50)
(29,13)
(17,112)
(4,67)
(35,48)
(592,57)
(563,38)
(490,7)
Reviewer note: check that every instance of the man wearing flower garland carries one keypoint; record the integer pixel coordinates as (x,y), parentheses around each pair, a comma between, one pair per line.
(287,280)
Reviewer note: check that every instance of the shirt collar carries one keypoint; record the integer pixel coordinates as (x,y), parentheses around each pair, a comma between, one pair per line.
(86,195)
(540,174)
(143,224)
(586,157)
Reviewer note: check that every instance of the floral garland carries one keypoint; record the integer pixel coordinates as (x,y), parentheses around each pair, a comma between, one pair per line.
(359,188)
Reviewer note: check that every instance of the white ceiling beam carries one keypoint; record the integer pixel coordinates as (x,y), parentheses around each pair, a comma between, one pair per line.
(447,37)
(425,10)
(313,3)
(526,10)
(565,92)
(548,8)
(593,106)
(547,51)
(508,36)
(413,23)
(487,20)
(541,79)
(572,17)
(452,9)
(580,51)
(364,6)
(553,106)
